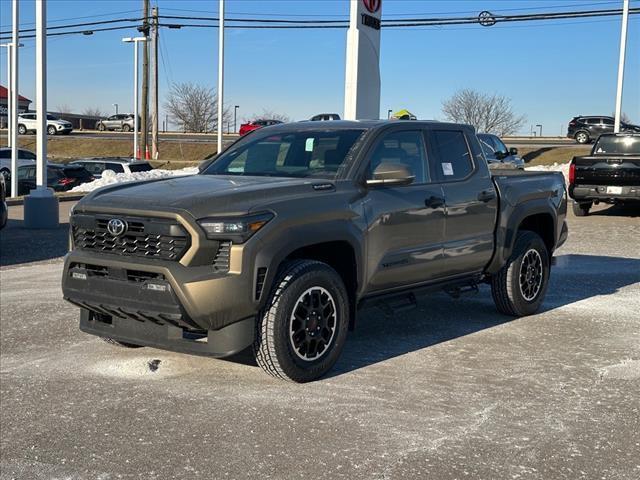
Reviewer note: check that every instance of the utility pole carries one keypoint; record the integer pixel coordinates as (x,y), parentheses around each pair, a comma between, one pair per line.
(220,74)
(154,91)
(145,82)
(623,53)
(8,45)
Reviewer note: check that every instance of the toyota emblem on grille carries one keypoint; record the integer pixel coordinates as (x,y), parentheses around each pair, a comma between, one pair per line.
(116,227)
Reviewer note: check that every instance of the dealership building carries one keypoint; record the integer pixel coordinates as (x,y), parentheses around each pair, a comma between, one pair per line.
(23,105)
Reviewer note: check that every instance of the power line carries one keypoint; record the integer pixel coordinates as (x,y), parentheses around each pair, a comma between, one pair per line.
(74,25)
(8,25)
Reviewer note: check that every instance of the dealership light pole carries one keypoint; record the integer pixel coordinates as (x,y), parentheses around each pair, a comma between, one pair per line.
(116,105)
(8,46)
(135,41)
(540,127)
(13,115)
(220,74)
(41,206)
(621,61)
(235,117)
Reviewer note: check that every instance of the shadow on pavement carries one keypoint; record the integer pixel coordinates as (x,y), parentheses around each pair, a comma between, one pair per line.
(19,245)
(618,210)
(439,318)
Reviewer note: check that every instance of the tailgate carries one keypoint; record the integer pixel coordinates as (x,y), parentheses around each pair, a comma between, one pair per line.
(607,170)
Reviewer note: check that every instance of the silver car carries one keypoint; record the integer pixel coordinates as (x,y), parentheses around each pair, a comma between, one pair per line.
(122,121)
(25,157)
(96,166)
(497,153)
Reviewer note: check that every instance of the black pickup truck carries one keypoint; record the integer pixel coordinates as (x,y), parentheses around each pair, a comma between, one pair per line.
(611,174)
(281,238)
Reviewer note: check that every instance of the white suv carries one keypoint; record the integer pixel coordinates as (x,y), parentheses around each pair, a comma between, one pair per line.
(27,122)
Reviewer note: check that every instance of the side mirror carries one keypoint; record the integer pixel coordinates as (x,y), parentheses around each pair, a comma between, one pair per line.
(391,174)
(513,151)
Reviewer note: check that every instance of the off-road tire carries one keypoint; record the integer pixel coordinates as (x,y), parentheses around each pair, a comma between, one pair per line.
(273,347)
(581,209)
(505,285)
(22,130)
(582,138)
(117,343)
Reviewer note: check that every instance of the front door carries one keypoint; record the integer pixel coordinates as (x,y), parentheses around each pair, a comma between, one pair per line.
(405,223)
(471,201)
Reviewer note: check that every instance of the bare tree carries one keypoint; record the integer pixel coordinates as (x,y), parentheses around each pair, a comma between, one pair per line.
(268,114)
(194,107)
(488,113)
(624,118)
(93,112)
(63,109)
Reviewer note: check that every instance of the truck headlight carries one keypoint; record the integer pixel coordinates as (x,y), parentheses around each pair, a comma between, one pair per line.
(238,229)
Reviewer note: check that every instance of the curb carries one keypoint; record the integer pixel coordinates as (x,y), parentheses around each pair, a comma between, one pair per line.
(61,198)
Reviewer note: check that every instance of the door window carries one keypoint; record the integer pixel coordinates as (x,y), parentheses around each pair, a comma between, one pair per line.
(499,146)
(454,158)
(115,167)
(405,148)
(607,121)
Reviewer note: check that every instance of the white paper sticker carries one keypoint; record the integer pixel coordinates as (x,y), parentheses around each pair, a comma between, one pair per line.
(447,169)
(308,146)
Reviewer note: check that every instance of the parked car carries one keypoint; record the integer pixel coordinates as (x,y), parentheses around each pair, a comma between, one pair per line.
(585,129)
(27,122)
(611,174)
(96,166)
(497,153)
(255,125)
(59,177)
(122,121)
(279,240)
(25,157)
(325,117)
(4,211)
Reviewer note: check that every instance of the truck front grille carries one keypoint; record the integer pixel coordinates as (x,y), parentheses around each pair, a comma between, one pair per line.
(144,237)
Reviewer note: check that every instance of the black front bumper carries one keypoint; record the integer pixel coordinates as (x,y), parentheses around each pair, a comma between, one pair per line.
(215,343)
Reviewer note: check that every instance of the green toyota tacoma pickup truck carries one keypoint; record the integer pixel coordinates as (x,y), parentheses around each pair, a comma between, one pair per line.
(279,240)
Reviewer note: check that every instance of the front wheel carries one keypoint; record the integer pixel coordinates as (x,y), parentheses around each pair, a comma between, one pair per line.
(581,209)
(519,288)
(22,130)
(126,128)
(51,130)
(303,327)
(101,127)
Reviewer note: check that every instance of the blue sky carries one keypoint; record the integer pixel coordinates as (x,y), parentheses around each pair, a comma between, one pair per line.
(552,71)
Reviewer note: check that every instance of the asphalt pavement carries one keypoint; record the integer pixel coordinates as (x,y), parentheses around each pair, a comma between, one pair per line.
(451,390)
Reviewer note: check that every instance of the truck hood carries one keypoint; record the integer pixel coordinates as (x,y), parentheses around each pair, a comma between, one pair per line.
(202,195)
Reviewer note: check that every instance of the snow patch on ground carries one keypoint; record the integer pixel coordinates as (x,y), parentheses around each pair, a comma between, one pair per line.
(556,167)
(110,178)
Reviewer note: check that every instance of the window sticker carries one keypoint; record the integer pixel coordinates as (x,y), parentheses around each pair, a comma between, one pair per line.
(447,168)
(308,146)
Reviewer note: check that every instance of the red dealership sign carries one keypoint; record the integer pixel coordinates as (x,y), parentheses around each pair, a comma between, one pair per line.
(372,5)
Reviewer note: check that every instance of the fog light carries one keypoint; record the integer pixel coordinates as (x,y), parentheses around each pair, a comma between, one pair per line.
(79,276)
(156,287)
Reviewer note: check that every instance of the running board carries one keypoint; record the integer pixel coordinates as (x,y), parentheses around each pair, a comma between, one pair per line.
(398,303)
(457,292)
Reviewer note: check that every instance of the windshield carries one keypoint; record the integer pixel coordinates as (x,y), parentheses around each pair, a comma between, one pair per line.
(319,153)
(617,145)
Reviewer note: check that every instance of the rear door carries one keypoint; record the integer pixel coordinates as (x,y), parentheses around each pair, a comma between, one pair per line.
(405,223)
(471,200)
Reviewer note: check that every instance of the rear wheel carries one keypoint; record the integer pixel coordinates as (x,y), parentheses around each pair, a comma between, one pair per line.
(117,343)
(581,209)
(582,137)
(51,130)
(22,130)
(519,288)
(303,327)
(101,127)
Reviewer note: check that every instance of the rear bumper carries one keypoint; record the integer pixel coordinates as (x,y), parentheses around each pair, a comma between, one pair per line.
(601,193)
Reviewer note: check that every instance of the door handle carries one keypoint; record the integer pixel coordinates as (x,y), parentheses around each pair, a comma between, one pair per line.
(486,195)
(434,202)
